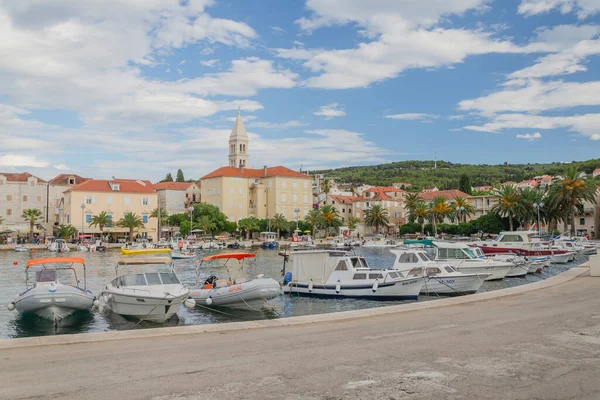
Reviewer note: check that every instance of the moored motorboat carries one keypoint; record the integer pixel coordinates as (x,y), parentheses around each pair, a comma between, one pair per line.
(56,292)
(58,245)
(21,249)
(149,290)
(233,288)
(440,278)
(182,255)
(461,256)
(561,258)
(333,274)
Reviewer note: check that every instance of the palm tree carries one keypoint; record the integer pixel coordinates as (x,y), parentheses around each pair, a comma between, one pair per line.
(164,215)
(248,225)
(571,192)
(279,222)
(131,221)
(326,185)
(439,209)
(31,215)
(65,231)
(1,220)
(101,220)
(463,208)
(377,216)
(509,205)
(205,223)
(329,217)
(410,204)
(313,218)
(421,212)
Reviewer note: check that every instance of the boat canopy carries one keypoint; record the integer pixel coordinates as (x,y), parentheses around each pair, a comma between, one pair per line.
(144,260)
(237,256)
(424,242)
(54,260)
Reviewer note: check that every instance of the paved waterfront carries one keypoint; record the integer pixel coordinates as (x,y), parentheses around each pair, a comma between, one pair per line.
(543,344)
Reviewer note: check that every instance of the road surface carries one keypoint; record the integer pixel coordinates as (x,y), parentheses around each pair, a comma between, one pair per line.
(543,344)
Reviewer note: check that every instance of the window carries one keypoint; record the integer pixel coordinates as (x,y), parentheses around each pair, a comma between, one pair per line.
(169,278)
(449,269)
(115,187)
(408,258)
(393,275)
(127,200)
(109,200)
(24,197)
(415,272)
(145,219)
(145,201)
(511,238)
(133,280)
(71,180)
(89,199)
(88,218)
(109,224)
(241,191)
(375,276)
(305,184)
(283,197)
(359,276)
(153,278)
(581,221)
(38,198)
(283,183)
(193,197)
(342,266)
(294,198)
(8,211)
(424,257)
(68,219)
(433,271)
(9,197)
(230,190)
(294,183)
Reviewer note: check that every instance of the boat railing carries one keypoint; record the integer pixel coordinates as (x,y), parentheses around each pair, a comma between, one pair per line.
(136,290)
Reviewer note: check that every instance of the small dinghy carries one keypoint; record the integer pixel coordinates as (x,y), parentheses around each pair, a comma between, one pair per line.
(21,249)
(236,291)
(56,292)
(182,255)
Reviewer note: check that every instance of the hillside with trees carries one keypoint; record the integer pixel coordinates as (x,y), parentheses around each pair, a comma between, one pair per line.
(447,175)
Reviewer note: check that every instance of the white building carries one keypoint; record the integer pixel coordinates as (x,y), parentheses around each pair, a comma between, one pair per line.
(18,192)
(55,199)
(176,197)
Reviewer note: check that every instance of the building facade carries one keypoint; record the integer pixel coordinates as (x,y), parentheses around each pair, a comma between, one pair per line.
(176,197)
(238,144)
(388,197)
(18,192)
(482,204)
(116,197)
(55,199)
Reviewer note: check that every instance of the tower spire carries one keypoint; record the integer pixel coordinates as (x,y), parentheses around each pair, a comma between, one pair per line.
(238,144)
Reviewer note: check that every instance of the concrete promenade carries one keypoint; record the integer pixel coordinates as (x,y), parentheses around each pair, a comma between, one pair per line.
(532,344)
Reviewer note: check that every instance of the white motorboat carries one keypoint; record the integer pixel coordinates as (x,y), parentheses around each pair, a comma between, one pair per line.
(521,264)
(461,256)
(21,249)
(57,291)
(149,290)
(526,243)
(440,278)
(380,242)
(561,258)
(586,247)
(333,274)
(182,255)
(234,289)
(58,245)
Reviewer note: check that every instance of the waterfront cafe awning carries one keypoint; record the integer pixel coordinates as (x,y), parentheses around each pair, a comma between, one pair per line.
(6,232)
(85,236)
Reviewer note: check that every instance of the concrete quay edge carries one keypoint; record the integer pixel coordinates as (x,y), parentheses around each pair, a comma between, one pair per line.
(291,321)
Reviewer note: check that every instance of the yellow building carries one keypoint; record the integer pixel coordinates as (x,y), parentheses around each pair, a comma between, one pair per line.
(116,197)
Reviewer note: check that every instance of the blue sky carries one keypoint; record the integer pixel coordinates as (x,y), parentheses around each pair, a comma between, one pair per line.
(138,89)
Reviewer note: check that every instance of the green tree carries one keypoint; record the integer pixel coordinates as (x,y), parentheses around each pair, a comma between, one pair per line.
(205,223)
(509,205)
(164,215)
(168,178)
(278,222)
(65,231)
(177,219)
(377,216)
(439,209)
(249,225)
(421,213)
(211,211)
(462,208)
(464,184)
(571,192)
(31,215)
(132,222)
(313,218)
(101,220)
(1,220)
(410,227)
(410,204)
(180,177)
(326,186)
(329,217)
(353,223)
(184,227)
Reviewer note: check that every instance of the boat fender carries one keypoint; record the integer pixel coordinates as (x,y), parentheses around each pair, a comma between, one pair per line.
(338,286)
(310,286)
(189,303)
(96,302)
(10,306)
(375,285)
(209,300)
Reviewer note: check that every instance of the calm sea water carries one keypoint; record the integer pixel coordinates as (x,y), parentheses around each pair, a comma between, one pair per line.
(100,270)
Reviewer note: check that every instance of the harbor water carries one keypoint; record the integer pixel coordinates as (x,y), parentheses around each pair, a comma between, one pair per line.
(101,270)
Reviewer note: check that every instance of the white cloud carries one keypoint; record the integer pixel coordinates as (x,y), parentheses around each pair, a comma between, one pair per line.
(298,43)
(182,62)
(207,51)
(583,8)
(530,136)
(276,30)
(412,117)
(209,63)
(15,160)
(330,111)
(276,125)
(245,118)
(179,71)
(61,167)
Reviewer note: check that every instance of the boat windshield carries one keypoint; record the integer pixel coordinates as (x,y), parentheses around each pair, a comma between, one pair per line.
(359,262)
(424,257)
(147,279)
(469,252)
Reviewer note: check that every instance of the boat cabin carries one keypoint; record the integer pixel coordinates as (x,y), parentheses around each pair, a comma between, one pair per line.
(268,236)
(54,270)
(162,272)
(453,251)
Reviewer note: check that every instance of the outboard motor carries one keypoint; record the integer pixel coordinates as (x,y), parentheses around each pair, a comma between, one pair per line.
(211,280)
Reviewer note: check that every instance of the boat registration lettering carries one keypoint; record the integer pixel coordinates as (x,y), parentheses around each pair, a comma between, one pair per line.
(235,289)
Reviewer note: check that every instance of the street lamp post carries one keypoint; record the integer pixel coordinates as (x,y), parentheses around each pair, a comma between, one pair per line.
(82,208)
(191,219)
(537,206)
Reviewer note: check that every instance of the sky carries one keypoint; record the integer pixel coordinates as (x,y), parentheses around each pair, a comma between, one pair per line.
(139,88)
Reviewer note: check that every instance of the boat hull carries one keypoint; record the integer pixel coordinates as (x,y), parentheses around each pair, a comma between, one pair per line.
(54,305)
(129,252)
(141,306)
(561,258)
(453,285)
(250,296)
(406,289)
(495,272)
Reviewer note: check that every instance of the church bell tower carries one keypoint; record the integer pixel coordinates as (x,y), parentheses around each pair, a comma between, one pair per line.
(238,144)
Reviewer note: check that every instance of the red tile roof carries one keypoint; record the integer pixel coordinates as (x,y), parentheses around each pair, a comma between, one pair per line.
(63,179)
(387,189)
(344,199)
(19,177)
(125,186)
(448,194)
(172,185)
(255,173)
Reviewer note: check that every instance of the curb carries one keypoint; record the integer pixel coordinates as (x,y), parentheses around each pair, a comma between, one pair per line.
(93,337)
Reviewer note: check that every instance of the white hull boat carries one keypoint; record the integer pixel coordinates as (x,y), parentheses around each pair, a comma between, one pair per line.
(380,243)
(154,295)
(48,297)
(332,274)
(237,291)
(520,264)
(562,258)
(21,249)
(440,279)
(461,257)
(59,245)
(180,255)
